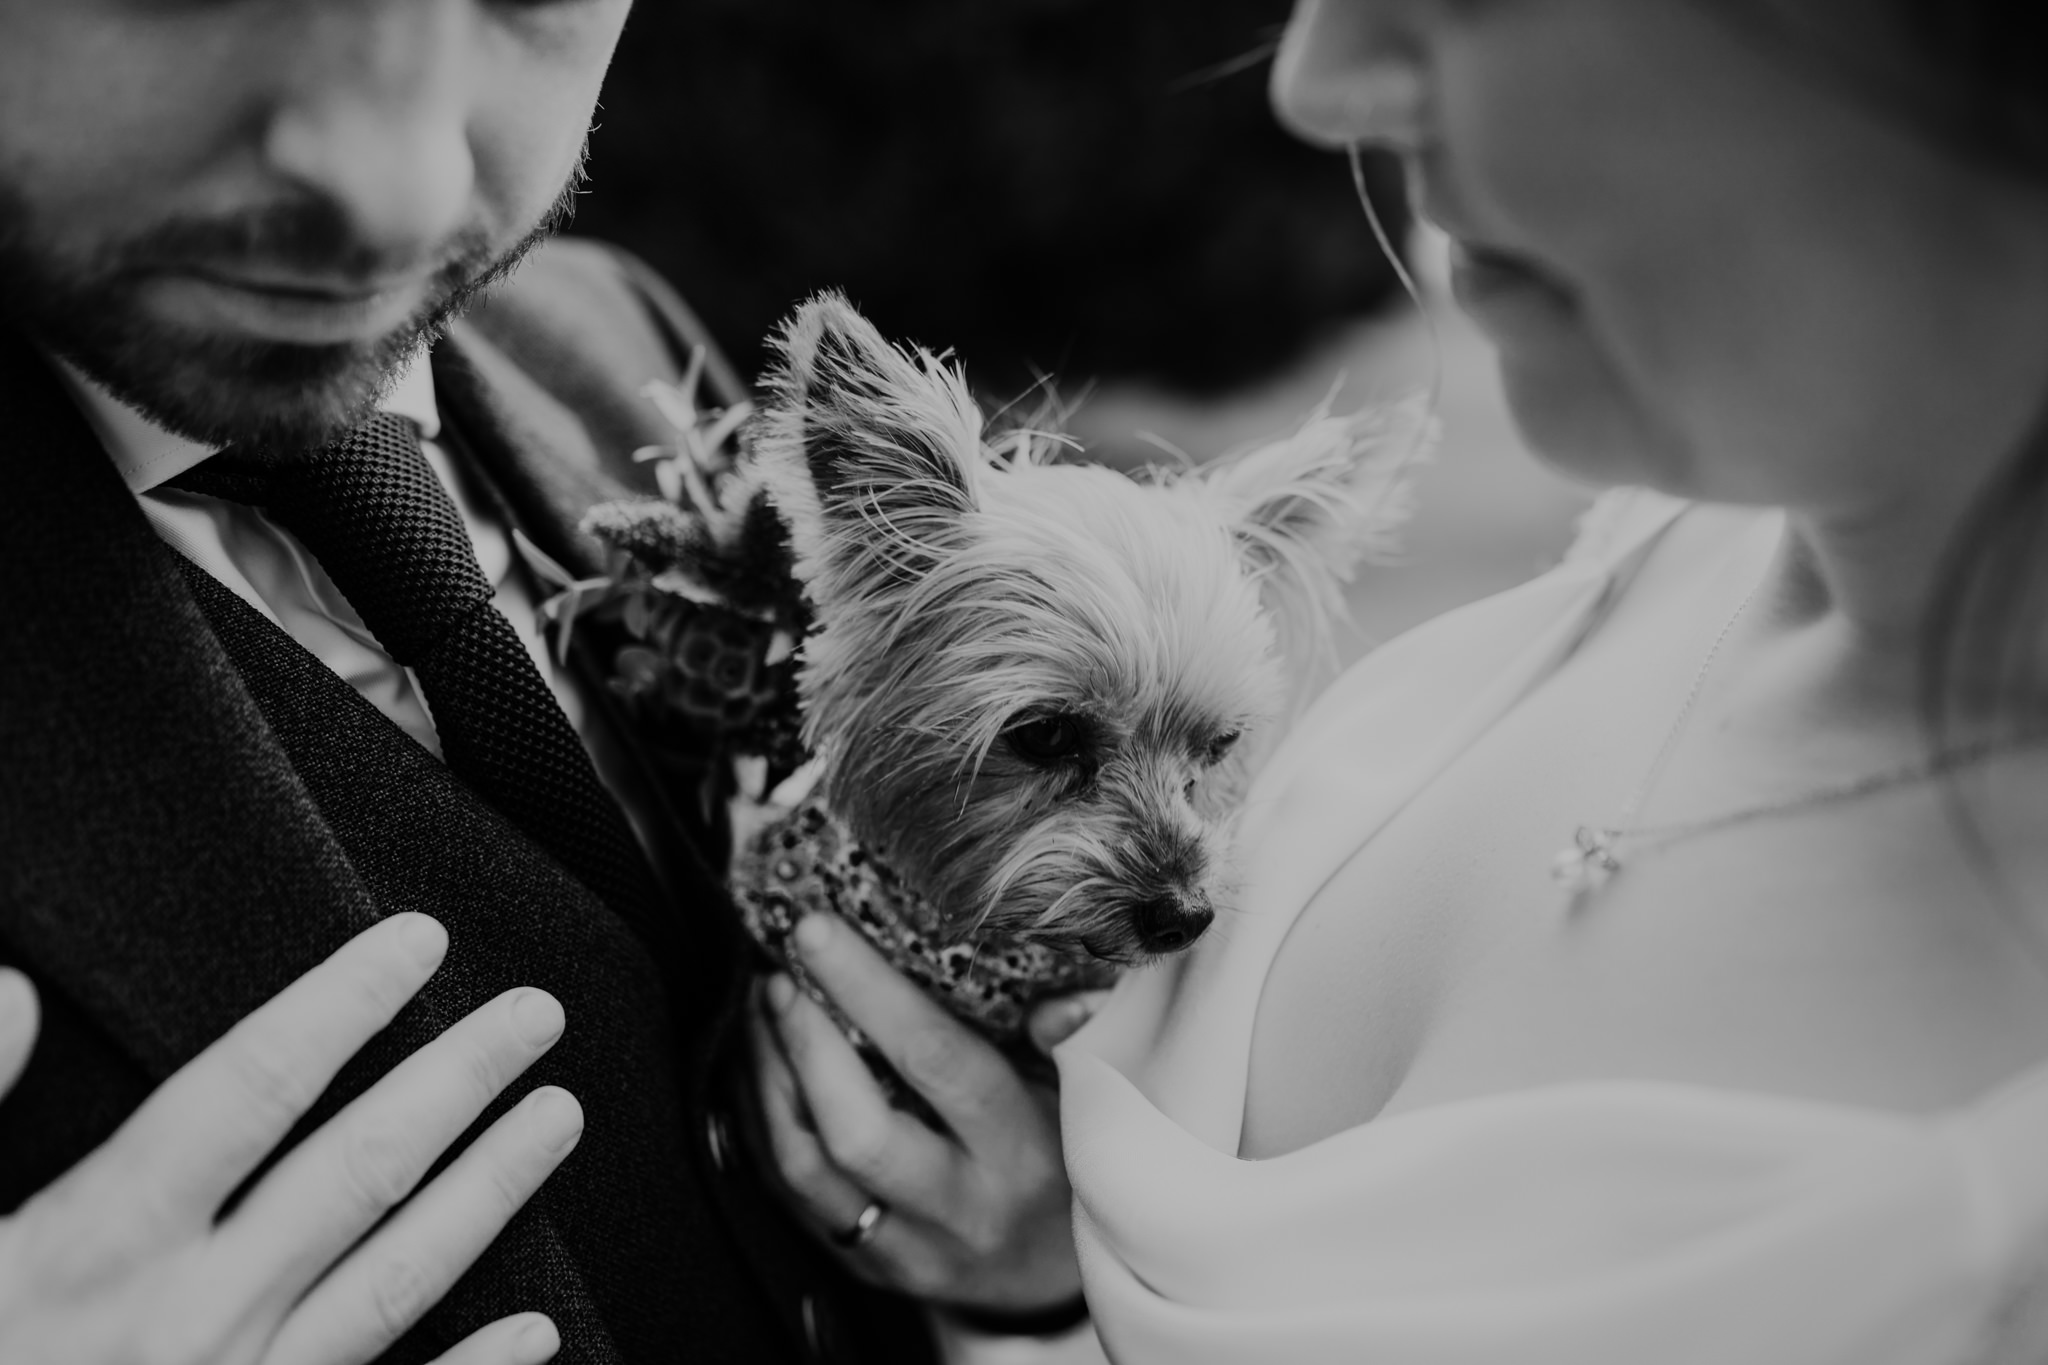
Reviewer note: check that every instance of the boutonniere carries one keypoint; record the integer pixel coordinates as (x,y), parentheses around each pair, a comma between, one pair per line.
(698,614)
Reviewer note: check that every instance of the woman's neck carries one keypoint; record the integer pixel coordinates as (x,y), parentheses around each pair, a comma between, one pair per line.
(1866,584)
(1871,578)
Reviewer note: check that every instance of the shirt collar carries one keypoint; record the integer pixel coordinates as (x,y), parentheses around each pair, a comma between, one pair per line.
(147,455)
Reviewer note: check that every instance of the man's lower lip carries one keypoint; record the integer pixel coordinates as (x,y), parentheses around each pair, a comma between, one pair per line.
(214,304)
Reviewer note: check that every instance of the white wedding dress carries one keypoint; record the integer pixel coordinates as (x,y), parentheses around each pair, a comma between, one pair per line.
(1605,1223)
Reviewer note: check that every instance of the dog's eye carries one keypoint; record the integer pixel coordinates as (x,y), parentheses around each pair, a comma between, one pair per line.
(1220,747)
(1046,740)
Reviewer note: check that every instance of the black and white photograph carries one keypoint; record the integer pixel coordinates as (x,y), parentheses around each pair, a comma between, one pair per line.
(1023,682)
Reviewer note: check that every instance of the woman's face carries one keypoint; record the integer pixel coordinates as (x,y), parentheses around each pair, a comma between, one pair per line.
(1706,263)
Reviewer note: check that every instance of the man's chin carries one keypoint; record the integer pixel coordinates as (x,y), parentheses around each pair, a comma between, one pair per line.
(257,394)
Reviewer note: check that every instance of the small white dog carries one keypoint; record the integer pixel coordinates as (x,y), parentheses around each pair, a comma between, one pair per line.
(1030,683)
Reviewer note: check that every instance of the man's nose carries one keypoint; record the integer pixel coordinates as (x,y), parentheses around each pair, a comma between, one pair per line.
(377,124)
(1351,71)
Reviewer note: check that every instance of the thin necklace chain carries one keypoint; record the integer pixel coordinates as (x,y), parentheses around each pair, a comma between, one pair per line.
(1634,805)
(1594,854)
(1598,852)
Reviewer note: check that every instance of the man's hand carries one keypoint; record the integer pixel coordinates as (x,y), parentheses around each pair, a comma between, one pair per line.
(980,1218)
(122,1260)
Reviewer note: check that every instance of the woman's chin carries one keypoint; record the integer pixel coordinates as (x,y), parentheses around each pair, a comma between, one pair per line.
(1512,299)
(1577,419)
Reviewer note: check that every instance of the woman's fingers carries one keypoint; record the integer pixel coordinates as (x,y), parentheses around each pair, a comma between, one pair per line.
(370,1300)
(891,1255)
(19,1017)
(201,1132)
(882,1150)
(522,1339)
(979,1215)
(968,1082)
(337,1183)
(1055,1021)
(832,1199)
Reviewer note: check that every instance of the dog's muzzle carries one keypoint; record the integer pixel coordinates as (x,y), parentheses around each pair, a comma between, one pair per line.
(1167,924)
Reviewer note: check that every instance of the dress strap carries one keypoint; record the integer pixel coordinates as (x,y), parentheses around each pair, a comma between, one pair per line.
(1621,522)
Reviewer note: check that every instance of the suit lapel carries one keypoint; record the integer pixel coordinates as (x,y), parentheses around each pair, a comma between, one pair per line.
(536,453)
(547,472)
(160,861)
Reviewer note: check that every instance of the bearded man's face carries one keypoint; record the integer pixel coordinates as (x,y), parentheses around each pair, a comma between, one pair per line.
(241,216)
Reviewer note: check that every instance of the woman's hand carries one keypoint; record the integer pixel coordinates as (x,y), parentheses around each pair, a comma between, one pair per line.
(979,1219)
(122,1260)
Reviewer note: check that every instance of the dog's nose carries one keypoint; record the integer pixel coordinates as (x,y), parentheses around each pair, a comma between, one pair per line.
(1165,925)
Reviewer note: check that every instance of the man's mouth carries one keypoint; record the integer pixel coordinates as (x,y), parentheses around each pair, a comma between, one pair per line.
(278,306)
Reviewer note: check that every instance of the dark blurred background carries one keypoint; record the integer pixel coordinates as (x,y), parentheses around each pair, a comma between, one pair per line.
(1092,188)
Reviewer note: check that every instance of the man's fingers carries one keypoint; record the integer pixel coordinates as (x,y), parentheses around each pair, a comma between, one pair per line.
(967,1081)
(199,1133)
(371,1299)
(882,1150)
(343,1178)
(19,1017)
(522,1339)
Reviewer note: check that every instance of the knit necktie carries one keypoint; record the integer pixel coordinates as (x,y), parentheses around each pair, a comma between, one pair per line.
(371,510)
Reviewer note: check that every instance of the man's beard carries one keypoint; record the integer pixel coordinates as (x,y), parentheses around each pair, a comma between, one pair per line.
(260,395)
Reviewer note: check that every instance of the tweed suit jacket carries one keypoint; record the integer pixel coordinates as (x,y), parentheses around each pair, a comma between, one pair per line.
(194,812)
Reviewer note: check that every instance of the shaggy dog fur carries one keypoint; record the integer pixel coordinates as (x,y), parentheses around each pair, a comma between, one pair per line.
(1029,681)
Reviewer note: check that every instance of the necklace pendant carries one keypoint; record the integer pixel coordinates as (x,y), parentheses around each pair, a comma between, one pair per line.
(1588,862)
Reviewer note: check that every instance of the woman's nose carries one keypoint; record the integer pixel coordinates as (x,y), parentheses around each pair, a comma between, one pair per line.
(378,128)
(1351,71)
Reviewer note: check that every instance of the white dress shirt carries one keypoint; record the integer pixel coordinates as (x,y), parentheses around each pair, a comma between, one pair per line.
(267,567)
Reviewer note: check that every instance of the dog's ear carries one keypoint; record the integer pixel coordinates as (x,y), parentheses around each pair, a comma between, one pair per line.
(871,451)
(1307,509)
